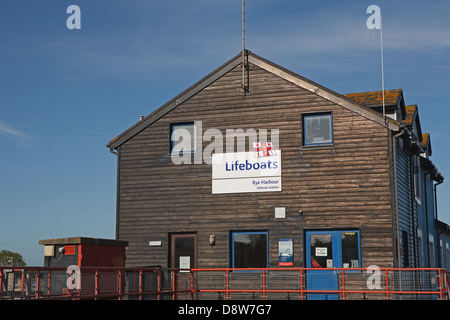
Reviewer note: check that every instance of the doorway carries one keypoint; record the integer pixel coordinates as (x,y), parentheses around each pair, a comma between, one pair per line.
(183,251)
(327,250)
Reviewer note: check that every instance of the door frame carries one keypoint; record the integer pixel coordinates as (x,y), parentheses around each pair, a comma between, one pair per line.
(171,253)
(327,279)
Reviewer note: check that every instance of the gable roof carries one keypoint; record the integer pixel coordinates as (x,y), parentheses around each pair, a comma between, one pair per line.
(412,118)
(411,113)
(425,143)
(266,65)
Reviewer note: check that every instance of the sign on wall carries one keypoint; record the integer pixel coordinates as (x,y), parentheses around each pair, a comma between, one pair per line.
(285,253)
(257,171)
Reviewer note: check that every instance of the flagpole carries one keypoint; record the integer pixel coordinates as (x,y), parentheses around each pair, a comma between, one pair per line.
(243,46)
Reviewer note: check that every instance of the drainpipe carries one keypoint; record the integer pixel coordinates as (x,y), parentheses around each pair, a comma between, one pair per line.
(438,238)
(413,172)
(428,173)
(116,152)
(412,176)
(394,148)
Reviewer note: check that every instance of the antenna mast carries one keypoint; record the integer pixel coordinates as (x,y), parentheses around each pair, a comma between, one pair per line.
(382,68)
(244,60)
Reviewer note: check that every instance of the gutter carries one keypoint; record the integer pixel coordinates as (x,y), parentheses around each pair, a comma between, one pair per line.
(428,173)
(438,235)
(113,151)
(433,173)
(414,210)
(394,149)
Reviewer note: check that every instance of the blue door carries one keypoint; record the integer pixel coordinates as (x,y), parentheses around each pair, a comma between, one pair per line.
(327,250)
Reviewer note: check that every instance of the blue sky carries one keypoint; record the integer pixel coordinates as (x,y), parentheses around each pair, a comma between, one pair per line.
(65,93)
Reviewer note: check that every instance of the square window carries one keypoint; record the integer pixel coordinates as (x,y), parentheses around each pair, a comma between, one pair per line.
(249,249)
(183,137)
(317,129)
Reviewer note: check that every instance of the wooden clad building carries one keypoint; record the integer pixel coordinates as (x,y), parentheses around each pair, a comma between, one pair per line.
(343,194)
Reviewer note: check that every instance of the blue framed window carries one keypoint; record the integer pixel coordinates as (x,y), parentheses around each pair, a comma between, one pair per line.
(183,137)
(249,249)
(317,129)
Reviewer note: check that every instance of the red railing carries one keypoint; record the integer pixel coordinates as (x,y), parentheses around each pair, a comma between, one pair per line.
(224,283)
(394,283)
(50,283)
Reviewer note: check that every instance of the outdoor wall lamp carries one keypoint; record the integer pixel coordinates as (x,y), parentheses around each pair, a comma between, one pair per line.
(212,240)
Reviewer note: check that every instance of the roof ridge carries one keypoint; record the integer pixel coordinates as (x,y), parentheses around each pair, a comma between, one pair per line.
(265,64)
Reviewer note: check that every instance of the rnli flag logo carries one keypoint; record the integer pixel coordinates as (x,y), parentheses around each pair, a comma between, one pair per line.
(263,149)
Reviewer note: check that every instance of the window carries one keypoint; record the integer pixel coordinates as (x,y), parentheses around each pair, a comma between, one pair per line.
(405,248)
(249,249)
(317,129)
(447,250)
(321,250)
(333,249)
(431,251)
(420,248)
(183,137)
(350,250)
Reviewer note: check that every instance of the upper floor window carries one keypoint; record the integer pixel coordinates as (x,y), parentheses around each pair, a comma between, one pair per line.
(183,137)
(317,129)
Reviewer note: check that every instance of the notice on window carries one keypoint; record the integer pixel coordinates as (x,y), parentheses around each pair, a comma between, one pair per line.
(285,253)
(185,262)
(329,263)
(321,251)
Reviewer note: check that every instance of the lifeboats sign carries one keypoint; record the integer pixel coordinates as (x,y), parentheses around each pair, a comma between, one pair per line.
(257,171)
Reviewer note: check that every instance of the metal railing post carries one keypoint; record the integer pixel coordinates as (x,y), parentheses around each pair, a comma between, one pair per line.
(343,284)
(227,284)
(49,282)
(140,284)
(38,282)
(22,283)
(159,283)
(120,285)
(264,284)
(1,283)
(301,284)
(174,285)
(96,284)
(192,284)
(387,283)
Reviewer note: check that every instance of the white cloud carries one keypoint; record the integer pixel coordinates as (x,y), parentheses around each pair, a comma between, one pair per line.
(9,131)
(346,37)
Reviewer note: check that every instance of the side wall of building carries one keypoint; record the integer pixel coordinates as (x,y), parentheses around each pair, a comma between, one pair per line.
(407,206)
(427,221)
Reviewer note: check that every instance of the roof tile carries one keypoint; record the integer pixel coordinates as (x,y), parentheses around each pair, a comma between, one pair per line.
(373,98)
